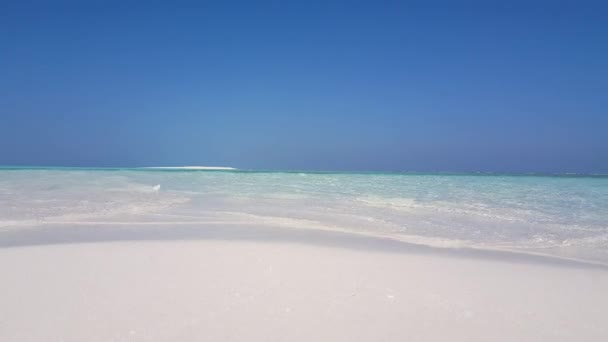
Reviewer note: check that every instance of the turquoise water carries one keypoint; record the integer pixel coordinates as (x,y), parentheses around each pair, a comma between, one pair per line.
(564,216)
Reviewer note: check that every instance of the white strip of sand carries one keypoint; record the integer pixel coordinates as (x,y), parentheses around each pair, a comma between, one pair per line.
(237,290)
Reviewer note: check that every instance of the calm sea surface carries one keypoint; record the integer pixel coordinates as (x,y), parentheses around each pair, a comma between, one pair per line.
(564,216)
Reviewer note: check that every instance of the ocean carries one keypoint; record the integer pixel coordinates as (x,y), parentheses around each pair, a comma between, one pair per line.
(562,216)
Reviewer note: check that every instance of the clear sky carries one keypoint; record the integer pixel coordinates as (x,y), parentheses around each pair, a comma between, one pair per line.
(425,86)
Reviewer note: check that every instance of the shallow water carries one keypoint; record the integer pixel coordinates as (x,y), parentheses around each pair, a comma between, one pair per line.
(564,216)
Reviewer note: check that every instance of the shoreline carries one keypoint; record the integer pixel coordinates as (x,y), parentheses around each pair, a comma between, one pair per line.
(54,233)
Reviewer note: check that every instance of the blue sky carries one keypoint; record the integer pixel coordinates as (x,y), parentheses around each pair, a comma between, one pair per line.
(420,86)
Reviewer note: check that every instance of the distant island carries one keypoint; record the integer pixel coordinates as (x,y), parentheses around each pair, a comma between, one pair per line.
(189,168)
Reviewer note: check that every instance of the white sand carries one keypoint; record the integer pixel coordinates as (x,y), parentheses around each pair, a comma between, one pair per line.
(205,290)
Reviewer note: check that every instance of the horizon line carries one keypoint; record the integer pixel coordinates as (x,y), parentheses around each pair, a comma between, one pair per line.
(253,170)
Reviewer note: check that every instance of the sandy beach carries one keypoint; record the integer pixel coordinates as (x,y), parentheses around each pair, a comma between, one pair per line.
(303,171)
(92,285)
